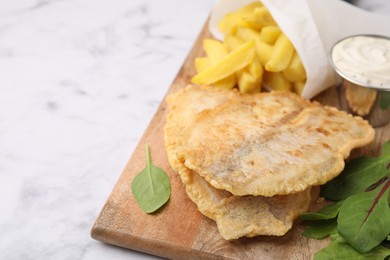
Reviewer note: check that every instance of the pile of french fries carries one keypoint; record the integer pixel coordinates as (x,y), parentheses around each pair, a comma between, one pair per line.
(254,53)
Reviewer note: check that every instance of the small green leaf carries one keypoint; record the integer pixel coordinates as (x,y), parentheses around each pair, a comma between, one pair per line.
(327,212)
(340,249)
(386,148)
(364,218)
(151,187)
(320,229)
(384,100)
(358,175)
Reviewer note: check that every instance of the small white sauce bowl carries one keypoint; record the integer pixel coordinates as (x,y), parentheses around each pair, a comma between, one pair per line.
(341,69)
(375,114)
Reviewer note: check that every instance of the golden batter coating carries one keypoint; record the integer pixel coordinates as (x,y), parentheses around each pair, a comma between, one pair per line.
(360,99)
(236,216)
(239,216)
(271,143)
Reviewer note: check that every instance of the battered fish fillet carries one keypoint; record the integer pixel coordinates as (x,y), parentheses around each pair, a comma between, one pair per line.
(235,216)
(249,216)
(269,144)
(184,105)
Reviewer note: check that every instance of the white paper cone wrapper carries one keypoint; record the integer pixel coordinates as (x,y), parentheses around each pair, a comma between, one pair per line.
(313,26)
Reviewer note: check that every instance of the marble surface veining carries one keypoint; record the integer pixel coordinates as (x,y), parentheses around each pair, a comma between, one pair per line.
(79,82)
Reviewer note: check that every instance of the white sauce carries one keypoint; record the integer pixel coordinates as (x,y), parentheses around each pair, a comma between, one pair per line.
(364,60)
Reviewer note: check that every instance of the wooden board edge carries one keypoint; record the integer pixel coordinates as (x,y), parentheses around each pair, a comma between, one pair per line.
(110,236)
(149,246)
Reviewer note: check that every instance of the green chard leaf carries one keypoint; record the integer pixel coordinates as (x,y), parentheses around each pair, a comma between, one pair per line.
(364,218)
(151,188)
(340,249)
(321,229)
(322,223)
(359,174)
(359,224)
(384,100)
(386,148)
(327,212)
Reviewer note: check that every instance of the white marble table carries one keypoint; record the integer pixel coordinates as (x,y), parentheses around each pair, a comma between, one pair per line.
(79,82)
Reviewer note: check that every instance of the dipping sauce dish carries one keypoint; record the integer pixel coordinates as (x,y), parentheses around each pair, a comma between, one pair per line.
(363,60)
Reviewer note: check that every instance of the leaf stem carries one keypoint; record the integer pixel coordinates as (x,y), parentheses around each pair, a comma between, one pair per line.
(148,166)
(378,197)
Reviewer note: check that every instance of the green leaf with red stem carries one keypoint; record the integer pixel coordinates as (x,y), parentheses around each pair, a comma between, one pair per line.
(364,218)
(359,174)
(340,249)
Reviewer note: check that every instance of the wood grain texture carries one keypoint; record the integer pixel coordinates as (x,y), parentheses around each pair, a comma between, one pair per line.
(178,230)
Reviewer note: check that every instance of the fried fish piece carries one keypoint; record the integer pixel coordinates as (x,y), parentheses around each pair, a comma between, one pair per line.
(239,216)
(359,99)
(270,144)
(184,105)
(236,216)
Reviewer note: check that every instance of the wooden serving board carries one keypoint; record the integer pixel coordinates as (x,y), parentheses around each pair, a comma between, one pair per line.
(178,230)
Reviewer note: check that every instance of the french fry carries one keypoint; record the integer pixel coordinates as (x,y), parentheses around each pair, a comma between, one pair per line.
(263,51)
(254,51)
(276,81)
(226,83)
(201,64)
(247,34)
(230,64)
(295,71)
(250,78)
(298,87)
(269,34)
(228,24)
(232,42)
(216,51)
(281,54)
(259,18)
